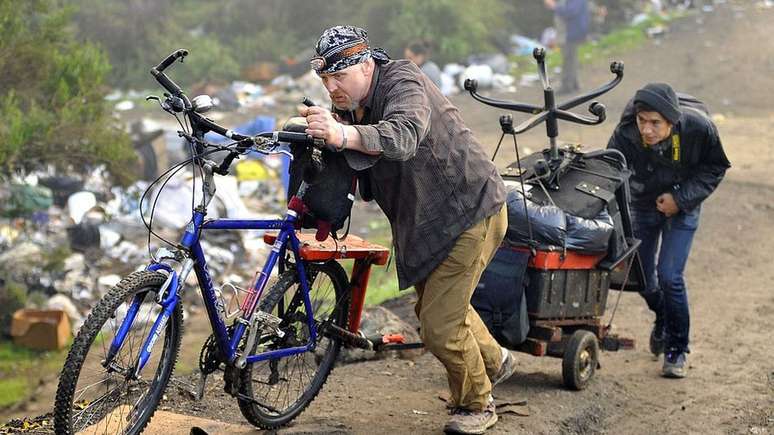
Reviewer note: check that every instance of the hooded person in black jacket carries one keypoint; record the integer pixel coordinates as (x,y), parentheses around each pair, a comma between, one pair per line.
(677,161)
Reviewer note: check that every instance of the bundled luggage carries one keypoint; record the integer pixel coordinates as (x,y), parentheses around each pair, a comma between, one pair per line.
(551,226)
(561,233)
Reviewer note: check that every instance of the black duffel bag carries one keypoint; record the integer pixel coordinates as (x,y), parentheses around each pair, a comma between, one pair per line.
(330,189)
(499,297)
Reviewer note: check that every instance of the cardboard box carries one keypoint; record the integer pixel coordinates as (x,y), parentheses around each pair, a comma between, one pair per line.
(260,72)
(40,329)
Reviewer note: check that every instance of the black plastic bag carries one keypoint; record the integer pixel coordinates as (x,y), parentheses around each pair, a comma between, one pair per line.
(549,226)
(591,235)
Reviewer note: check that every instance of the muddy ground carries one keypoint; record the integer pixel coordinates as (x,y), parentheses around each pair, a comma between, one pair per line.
(726,57)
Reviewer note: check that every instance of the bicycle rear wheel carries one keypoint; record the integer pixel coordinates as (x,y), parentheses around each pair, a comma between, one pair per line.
(94,399)
(281,389)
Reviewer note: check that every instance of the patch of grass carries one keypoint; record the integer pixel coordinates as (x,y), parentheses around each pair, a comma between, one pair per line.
(609,45)
(383,282)
(21,369)
(11,356)
(13,390)
(382,285)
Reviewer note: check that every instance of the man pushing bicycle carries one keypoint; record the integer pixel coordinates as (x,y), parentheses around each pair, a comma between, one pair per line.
(443,197)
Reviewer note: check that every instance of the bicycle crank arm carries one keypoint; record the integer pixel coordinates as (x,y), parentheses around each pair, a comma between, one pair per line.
(348,338)
(399,346)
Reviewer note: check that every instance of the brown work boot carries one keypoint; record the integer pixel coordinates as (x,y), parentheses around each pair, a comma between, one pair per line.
(465,421)
(507,367)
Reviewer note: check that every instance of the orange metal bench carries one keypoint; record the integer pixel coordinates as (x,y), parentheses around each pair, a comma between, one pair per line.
(353,247)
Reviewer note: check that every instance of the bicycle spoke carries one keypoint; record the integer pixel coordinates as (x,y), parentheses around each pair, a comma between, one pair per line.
(290,383)
(107,399)
(82,391)
(97,404)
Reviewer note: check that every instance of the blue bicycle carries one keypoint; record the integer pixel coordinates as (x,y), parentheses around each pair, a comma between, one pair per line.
(276,351)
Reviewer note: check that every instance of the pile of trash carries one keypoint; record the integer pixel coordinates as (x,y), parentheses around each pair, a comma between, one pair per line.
(280,89)
(65,241)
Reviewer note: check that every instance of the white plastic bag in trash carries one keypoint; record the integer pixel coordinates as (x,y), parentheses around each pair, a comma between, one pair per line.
(483,74)
(79,203)
(173,208)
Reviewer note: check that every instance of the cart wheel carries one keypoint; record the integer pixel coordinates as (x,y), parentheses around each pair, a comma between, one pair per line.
(580,359)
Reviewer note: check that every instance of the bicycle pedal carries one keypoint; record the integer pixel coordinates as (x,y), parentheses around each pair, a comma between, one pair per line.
(393,342)
(199,394)
(380,341)
(393,339)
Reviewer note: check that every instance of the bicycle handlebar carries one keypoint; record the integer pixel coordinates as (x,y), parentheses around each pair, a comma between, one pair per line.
(158,73)
(179,102)
(177,54)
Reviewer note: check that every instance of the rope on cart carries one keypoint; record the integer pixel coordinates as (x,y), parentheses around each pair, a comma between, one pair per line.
(532,241)
(620,292)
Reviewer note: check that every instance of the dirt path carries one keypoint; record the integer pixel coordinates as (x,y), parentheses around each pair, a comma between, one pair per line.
(727,58)
(730,388)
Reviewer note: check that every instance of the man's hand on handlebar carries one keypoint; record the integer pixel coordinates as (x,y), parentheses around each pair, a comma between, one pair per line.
(323,124)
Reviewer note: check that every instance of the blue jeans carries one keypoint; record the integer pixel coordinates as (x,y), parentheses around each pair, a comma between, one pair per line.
(666,294)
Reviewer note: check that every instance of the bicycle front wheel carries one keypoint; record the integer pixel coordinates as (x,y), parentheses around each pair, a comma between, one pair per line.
(280,389)
(95,399)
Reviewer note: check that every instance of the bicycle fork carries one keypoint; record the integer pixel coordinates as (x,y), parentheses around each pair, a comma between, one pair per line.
(168,297)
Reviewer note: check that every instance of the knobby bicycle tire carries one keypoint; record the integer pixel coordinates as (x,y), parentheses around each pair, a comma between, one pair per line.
(91,340)
(261,381)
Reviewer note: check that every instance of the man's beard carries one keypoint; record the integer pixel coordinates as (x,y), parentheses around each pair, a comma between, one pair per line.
(351,107)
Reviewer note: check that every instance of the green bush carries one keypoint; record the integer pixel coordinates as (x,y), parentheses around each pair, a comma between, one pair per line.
(51,96)
(13,296)
(234,34)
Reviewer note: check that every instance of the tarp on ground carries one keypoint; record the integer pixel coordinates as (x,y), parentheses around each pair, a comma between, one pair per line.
(22,200)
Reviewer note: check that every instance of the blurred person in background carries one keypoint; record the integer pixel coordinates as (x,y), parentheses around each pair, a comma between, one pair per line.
(573,17)
(419,53)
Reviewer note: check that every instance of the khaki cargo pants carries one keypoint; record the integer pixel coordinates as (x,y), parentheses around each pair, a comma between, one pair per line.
(450,327)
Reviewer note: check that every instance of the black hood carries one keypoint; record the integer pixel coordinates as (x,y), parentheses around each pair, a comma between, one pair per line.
(662,98)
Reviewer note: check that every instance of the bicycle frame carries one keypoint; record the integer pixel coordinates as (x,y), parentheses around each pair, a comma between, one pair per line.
(227,343)
(169,294)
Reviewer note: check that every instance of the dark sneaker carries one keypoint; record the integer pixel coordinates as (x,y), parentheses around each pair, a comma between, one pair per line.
(657,340)
(674,365)
(507,367)
(465,421)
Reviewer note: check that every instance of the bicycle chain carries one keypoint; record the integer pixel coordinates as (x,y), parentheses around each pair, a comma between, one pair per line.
(210,357)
